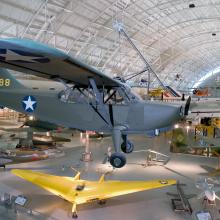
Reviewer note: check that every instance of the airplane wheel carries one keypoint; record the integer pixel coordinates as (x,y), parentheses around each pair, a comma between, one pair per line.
(117,160)
(74,215)
(102,202)
(127,149)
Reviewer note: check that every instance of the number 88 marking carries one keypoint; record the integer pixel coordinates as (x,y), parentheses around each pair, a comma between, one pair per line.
(5,82)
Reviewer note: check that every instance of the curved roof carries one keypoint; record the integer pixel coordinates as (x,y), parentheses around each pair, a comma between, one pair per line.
(180,42)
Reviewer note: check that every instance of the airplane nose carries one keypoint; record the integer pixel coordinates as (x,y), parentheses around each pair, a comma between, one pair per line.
(162,116)
(175,113)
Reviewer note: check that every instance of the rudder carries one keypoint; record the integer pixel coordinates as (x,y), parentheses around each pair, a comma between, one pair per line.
(7,80)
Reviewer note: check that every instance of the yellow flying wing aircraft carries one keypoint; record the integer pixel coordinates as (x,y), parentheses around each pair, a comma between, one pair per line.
(79,191)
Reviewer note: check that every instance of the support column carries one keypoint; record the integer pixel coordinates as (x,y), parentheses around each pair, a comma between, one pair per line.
(87,154)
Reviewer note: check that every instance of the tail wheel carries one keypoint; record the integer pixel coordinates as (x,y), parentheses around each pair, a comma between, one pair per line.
(102,202)
(127,147)
(117,160)
(74,215)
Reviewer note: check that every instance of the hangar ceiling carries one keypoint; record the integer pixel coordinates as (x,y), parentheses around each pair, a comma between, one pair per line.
(179,38)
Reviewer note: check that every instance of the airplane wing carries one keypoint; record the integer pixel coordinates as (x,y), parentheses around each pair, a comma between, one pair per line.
(39,59)
(21,129)
(111,189)
(57,185)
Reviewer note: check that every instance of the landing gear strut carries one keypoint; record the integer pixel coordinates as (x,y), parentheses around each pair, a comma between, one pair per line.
(117,159)
(74,213)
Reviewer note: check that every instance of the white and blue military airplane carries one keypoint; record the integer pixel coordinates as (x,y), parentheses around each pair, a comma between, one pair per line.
(90,100)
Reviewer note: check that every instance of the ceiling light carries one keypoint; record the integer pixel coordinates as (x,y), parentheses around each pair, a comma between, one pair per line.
(176,126)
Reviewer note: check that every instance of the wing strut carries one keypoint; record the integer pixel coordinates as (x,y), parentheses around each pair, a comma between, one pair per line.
(119,27)
(100,107)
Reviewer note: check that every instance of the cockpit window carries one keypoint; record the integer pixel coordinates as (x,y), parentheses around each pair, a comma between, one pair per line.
(80,187)
(115,96)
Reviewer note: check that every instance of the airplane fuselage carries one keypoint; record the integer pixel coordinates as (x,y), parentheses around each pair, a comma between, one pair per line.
(137,117)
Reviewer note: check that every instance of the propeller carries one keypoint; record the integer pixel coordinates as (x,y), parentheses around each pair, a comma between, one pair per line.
(186,110)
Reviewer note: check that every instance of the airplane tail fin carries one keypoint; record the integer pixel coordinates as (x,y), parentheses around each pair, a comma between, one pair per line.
(7,80)
(77,176)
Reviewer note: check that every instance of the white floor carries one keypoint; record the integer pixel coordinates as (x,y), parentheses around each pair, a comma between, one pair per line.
(148,205)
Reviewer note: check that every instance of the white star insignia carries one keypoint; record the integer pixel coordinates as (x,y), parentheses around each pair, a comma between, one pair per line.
(29,104)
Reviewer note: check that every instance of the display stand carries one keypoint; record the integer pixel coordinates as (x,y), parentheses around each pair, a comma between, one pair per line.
(86,156)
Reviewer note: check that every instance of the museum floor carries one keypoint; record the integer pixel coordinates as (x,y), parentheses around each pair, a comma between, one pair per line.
(151,205)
